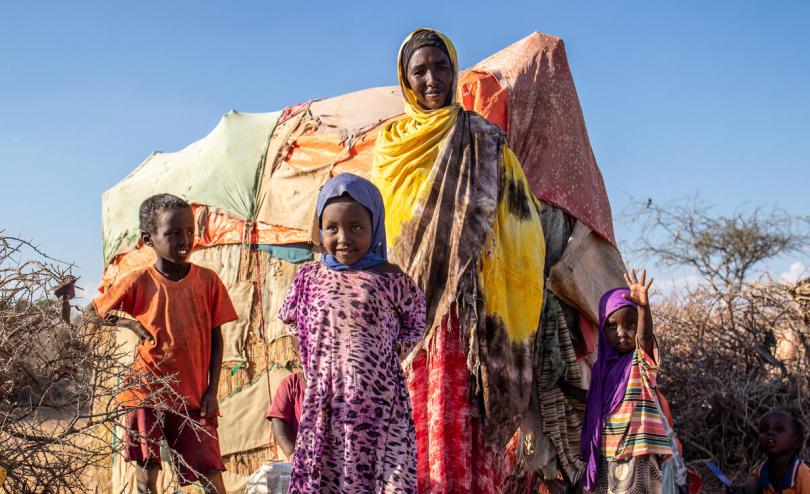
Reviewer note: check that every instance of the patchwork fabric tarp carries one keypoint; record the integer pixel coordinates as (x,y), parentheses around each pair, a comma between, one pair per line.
(526,88)
(220,170)
(253,183)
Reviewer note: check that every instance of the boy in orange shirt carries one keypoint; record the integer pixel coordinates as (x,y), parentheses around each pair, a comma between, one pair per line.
(179,308)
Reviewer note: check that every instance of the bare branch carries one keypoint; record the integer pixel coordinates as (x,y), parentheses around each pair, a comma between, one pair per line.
(735,345)
(60,382)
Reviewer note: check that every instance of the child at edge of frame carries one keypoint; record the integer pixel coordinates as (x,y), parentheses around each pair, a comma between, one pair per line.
(178,309)
(782,471)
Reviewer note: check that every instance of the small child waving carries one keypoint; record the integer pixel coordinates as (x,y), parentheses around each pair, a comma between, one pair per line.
(179,308)
(350,312)
(626,434)
(781,438)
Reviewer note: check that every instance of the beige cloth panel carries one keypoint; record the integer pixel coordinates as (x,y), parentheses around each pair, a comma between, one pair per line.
(235,334)
(357,112)
(125,342)
(589,267)
(224,259)
(123,472)
(295,194)
(287,195)
(278,277)
(242,425)
(234,482)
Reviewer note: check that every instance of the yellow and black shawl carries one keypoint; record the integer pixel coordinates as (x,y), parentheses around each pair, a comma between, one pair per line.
(463,222)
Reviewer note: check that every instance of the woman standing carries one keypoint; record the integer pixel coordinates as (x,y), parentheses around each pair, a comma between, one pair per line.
(464,224)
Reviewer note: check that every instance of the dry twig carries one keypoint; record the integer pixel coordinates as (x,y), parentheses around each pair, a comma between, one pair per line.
(58,381)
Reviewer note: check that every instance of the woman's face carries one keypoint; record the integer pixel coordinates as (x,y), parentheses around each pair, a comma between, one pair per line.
(430,76)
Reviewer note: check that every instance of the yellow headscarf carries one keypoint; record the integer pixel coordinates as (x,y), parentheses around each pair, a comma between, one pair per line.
(407,148)
(511,263)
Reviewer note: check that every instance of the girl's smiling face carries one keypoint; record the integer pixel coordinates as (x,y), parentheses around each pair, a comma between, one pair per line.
(620,329)
(346,230)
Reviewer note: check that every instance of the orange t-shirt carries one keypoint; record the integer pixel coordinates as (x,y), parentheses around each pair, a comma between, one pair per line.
(798,479)
(179,315)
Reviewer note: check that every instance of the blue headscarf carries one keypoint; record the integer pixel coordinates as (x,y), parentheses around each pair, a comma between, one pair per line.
(367,194)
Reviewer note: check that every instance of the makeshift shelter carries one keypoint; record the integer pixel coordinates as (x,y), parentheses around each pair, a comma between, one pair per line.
(253,183)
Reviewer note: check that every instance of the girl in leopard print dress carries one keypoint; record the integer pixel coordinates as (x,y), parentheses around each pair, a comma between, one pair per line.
(350,312)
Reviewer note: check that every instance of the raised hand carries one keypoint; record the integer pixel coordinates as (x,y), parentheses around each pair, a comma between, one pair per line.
(639,295)
(638,288)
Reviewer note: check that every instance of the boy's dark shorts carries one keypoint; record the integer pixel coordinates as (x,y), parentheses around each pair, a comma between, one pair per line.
(197,447)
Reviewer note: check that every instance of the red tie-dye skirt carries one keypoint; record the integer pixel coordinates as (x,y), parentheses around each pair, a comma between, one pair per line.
(452,457)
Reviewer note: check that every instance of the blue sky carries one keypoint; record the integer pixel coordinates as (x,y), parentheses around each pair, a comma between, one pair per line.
(679,97)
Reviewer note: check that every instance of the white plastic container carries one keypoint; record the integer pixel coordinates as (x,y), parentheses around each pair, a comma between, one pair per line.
(272,478)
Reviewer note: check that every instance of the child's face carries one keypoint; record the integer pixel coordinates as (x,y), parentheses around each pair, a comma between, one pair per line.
(174,236)
(620,329)
(346,230)
(777,434)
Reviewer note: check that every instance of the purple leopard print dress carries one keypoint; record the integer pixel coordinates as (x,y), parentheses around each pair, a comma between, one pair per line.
(357,432)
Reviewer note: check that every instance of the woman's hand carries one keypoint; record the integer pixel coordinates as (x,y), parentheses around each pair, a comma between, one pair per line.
(638,289)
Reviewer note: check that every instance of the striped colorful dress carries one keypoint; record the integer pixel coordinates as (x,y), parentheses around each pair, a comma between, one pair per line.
(634,439)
